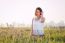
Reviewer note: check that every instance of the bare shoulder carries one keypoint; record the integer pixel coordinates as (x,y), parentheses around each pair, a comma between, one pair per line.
(34,18)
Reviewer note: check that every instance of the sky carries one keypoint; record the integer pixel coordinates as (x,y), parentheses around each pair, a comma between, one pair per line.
(22,11)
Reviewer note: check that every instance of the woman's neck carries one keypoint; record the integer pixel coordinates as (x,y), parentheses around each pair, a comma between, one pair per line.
(37,18)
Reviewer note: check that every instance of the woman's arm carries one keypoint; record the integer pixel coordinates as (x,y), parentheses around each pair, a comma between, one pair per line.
(32,27)
(42,19)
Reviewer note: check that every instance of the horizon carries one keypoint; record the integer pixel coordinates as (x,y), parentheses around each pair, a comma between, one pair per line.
(51,24)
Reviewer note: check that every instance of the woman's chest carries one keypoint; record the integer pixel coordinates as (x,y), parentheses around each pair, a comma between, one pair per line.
(37,24)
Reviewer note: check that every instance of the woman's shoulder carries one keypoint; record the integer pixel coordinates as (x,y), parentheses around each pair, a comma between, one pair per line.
(34,18)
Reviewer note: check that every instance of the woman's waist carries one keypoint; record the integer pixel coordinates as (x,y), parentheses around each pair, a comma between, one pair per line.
(37,28)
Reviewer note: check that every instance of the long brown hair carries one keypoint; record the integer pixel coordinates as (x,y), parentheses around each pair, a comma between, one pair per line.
(38,8)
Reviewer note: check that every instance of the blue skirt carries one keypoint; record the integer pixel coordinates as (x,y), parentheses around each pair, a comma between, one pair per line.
(38,32)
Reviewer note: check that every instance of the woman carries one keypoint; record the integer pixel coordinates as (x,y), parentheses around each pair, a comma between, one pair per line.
(38,23)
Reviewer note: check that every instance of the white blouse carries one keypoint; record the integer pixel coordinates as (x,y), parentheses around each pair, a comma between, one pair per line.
(38,27)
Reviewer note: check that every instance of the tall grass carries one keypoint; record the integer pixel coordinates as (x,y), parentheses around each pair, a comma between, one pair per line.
(23,35)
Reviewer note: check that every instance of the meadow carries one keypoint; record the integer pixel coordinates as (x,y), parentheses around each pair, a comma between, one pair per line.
(23,35)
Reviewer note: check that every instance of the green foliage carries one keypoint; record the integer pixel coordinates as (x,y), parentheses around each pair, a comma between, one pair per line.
(20,35)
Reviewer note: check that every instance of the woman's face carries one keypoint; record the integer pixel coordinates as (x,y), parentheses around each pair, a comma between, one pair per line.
(37,13)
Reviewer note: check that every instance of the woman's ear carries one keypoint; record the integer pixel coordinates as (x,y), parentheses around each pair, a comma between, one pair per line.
(41,13)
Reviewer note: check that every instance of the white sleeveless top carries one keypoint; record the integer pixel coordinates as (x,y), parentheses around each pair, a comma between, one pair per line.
(38,27)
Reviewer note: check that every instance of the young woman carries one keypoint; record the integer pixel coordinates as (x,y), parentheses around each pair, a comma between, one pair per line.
(38,23)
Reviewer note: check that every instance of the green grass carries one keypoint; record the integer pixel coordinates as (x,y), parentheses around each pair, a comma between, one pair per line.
(21,35)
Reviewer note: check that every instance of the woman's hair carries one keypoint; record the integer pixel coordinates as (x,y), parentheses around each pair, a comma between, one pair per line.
(38,8)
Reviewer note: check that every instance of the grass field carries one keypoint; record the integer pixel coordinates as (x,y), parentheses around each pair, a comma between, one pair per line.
(23,35)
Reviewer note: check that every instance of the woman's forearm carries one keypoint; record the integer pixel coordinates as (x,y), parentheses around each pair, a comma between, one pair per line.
(42,20)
